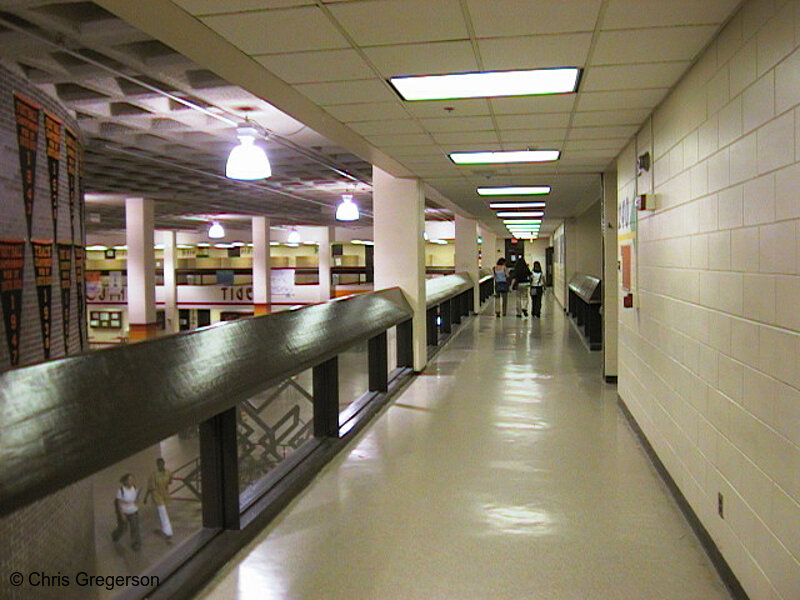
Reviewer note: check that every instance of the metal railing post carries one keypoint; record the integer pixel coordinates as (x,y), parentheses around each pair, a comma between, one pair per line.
(326,398)
(219,470)
(431,329)
(405,344)
(378,358)
(446,310)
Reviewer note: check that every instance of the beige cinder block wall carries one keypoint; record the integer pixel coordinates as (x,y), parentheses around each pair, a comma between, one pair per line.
(709,364)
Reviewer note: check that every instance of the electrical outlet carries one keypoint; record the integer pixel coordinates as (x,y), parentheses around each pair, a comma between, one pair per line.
(720,505)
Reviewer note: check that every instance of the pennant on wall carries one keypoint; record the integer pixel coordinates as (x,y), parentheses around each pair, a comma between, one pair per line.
(72,173)
(43,267)
(27,117)
(80,283)
(52,131)
(12,261)
(65,278)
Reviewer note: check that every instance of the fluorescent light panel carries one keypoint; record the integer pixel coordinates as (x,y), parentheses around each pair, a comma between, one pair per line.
(512,205)
(504,156)
(514,190)
(521,213)
(487,84)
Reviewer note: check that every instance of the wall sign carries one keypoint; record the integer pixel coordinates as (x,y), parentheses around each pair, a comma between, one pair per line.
(12,263)
(71,144)
(52,131)
(27,118)
(43,268)
(65,282)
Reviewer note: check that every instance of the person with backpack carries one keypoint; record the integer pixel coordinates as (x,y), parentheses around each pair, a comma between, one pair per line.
(537,289)
(521,284)
(501,284)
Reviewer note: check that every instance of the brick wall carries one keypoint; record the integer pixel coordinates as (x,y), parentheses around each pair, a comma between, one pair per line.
(56,534)
(710,361)
(13,223)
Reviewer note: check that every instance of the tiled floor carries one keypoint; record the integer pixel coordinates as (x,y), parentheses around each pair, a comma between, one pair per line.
(504,471)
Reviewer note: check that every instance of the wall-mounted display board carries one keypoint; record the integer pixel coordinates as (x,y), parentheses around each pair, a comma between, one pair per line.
(105,319)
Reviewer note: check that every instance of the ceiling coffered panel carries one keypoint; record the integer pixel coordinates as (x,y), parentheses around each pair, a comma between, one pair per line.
(339,55)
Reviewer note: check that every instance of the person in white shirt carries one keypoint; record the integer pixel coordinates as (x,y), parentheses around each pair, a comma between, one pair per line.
(537,290)
(127,511)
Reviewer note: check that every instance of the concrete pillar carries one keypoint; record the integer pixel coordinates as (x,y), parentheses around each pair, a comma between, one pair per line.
(398,205)
(467,252)
(488,249)
(261,266)
(327,238)
(610,276)
(141,269)
(168,240)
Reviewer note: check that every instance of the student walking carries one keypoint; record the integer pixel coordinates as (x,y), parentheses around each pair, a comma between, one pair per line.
(158,488)
(521,283)
(127,511)
(537,289)
(501,284)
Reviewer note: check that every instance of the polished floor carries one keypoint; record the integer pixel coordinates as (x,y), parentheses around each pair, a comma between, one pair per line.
(504,471)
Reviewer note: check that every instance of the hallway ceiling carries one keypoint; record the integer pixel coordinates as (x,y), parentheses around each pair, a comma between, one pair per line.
(325,63)
(339,55)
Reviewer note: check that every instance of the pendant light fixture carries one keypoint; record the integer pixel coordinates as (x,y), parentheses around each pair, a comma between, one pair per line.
(347,210)
(216,231)
(294,237)
(247,161)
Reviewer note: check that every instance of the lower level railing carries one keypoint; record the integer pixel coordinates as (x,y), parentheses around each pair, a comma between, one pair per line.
(202,437)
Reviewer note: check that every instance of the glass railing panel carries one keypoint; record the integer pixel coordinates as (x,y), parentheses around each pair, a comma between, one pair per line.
(271,427)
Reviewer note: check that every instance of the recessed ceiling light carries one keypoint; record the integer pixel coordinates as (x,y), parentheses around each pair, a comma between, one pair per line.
(502,205)
(521,213)
(504,156)
(487,84)
(514,190)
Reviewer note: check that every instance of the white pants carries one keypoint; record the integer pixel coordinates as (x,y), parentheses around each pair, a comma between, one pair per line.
(163,516)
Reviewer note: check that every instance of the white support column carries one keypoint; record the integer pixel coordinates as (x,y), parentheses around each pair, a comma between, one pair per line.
(168,240)
(610,276)
(488,249)
(261,266)
(398,205)
(467,252)
(327,238)
(141,269)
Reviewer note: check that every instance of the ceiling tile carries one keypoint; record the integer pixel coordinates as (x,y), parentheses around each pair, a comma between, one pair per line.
(614,144)
(208,7)
(278,31)
(330,94)
(445,124)
(633,77)
(423,59)
(533,121)
(401,139)
(472,137)
(615,100)
(314,67)
(440,108)
(526,17)
(595,133)
(611,117)
(649,45)
(400,21)
(531,52)
(386,127)
(447,148)
(411,151)
(623,14)
(533,104)
(371,111)
(551,138)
